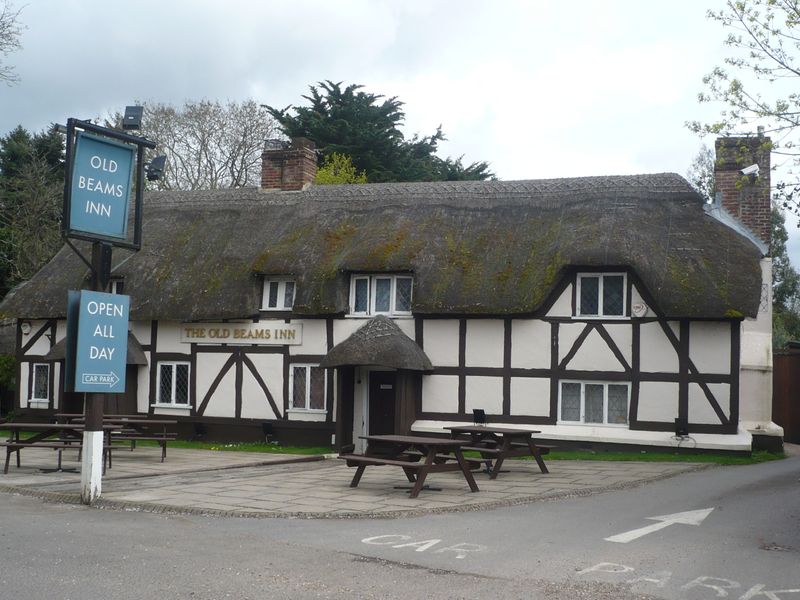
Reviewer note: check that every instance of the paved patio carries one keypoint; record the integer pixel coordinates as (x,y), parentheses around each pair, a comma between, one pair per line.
(275,485)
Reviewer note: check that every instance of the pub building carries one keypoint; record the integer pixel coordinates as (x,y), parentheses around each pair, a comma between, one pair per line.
(598,310)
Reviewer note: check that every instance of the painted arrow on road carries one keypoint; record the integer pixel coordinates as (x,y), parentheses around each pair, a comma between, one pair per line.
(690,517)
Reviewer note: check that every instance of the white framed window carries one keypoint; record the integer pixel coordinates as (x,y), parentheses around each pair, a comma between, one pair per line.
(40,382)
(593,402)
(307,389)
(117,286)
(601,295)
(381,294)
(278,294)
(173,383)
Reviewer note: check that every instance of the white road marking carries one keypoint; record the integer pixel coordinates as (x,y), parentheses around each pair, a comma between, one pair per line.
(690,517)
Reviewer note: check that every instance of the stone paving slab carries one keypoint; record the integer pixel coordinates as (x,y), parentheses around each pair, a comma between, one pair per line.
(272,485)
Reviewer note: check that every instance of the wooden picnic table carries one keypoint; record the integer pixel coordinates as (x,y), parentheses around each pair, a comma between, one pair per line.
(57,436)
(133,428)
(500,443)
(416,455)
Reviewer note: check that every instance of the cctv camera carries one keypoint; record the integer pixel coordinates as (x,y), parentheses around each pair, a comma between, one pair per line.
(752,170)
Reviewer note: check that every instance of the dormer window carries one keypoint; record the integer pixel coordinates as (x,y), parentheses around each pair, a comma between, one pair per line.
(601,295)
(117,285)
(380,295)
(278,294)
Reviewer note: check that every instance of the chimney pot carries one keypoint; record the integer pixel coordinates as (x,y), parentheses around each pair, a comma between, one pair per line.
(291,168)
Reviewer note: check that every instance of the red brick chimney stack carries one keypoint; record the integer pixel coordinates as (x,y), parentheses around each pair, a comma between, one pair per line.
(745,196)
(289,169)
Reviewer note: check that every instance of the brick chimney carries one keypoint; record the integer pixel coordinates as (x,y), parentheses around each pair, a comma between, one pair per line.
(744,196)
(288,169)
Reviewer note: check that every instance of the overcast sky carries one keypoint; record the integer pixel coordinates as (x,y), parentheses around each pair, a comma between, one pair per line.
(537,88)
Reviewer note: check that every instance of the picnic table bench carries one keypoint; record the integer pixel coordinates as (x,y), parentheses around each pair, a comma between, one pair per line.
(500,443)
(55,436)
(133,428)
(416,455)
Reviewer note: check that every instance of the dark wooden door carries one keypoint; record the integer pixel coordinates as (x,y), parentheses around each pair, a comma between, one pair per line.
(382,386)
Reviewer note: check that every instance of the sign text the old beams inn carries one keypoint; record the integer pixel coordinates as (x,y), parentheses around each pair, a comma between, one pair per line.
(265,333)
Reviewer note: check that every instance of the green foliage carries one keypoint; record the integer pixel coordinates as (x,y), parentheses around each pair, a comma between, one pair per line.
(338,169)
(8,371)
(785,287)
(366,127)
(31,187)
(701,173)
(756,85)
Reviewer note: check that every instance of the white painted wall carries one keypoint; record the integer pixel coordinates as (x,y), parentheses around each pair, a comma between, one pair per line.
(622,335)
(530,396)
(658,401)
(440,341)
(315,339)
(594,355)
(254,402)
(563,306)
(755,383)
(484,343)
(439,393)
(223,402)
(141,331)
(567,334)
(42,345)
(143,385)
(530,344)
(485,393)
(344,328)
(710,346)
(700,410)
(657,354)
(168,338)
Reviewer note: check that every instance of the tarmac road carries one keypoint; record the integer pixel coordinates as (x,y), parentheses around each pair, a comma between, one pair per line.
(747,546)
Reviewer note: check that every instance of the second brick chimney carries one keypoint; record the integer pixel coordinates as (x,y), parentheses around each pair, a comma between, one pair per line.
(746,197)
(288,169)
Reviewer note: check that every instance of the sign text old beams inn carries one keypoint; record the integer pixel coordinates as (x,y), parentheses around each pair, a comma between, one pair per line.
(266,333)
(101,185)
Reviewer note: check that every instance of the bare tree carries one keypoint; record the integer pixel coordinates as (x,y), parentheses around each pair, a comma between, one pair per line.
(10,30)
(208,145)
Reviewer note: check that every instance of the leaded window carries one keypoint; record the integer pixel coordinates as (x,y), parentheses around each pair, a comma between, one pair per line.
(41,382)
(601,295)
(173,383)
(307,388)
(381,295)
(278,294)
(594,403)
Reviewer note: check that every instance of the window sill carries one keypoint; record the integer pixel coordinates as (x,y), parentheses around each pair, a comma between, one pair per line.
(177,406)
(307,411)
(32,403)
(582,424)
(360,316)
(602,317)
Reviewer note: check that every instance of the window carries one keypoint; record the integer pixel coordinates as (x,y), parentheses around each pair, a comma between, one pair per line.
(173,383)
(307,388)
(380,295)
(601,295)
(40,389)
(278,294)
(117,286)
(594,403)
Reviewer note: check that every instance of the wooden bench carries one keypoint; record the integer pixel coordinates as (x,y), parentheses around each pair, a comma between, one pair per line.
(134,436)
(60,446)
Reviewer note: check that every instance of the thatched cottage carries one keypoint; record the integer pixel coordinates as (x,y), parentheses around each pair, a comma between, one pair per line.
(597,309)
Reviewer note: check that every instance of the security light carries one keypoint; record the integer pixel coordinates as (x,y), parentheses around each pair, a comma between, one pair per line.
(133,118)
(155,168)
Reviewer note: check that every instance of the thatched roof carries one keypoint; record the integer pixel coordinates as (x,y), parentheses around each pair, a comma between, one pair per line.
(473,247)
(135,354)
(378,343)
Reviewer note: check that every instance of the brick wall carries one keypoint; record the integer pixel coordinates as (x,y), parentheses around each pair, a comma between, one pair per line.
(289,169)
(744,197)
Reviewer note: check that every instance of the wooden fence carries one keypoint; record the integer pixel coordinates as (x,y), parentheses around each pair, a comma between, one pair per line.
(786,393)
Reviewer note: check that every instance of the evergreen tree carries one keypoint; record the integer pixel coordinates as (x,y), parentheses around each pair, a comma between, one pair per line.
(366,127)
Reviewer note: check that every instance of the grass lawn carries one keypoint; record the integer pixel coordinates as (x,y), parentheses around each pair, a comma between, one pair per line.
(717,458)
